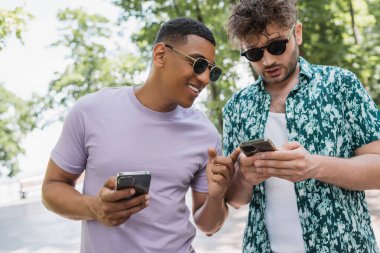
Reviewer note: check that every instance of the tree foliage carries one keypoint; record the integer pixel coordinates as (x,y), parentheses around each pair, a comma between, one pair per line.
(15,117)
(91,65)
(344,33)
(12,22)
(336,32)
(15,122)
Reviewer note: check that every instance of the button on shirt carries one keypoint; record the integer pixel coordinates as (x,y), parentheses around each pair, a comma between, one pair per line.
(330,113)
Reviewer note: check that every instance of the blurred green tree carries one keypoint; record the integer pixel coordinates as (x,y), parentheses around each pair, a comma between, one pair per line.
(16,119)
(91,64)
(12,22)
(336,32)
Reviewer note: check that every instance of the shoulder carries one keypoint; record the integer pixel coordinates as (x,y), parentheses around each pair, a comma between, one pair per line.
(330,74)
(103,95)
(335,79)
(102,98)
(100,101)
(334,71)
(241,97)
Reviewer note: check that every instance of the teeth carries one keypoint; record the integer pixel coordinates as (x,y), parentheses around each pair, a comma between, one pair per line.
(195,89)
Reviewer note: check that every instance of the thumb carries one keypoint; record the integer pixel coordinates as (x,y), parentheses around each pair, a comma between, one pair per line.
(235,154)
(211,154)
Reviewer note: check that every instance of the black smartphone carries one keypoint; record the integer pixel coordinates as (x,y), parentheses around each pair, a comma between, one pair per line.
(252,147)
(140,180)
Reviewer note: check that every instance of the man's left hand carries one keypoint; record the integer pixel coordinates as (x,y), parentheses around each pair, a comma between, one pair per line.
(291,162)
(220,170)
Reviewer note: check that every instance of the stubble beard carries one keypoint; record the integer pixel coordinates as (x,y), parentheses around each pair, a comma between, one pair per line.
(290,69)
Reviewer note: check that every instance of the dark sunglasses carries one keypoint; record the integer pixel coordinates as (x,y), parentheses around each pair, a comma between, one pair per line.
(200,65)
(276,47)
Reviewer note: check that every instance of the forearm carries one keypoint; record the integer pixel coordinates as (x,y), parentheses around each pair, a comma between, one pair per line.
(211,216)
(357,173)
(65,200)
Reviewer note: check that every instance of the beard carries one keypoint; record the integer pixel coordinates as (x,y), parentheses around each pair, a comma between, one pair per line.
(290,68)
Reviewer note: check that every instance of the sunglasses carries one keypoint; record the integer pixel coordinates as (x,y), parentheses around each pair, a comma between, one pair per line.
(276,47)
(200,65)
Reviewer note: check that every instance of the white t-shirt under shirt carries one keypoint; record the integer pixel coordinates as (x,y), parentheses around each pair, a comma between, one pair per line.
(111,131)
(281,214)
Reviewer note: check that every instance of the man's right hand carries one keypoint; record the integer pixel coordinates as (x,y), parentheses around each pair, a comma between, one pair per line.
(247,172)
(114,207)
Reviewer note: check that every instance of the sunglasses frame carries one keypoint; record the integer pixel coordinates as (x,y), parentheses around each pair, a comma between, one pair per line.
(211,65)
(261,49)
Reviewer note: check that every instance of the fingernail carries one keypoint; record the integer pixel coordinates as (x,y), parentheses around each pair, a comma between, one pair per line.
(147,197)
(132,191)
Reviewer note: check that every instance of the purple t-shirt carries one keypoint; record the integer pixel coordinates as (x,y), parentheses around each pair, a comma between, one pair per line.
(111,131)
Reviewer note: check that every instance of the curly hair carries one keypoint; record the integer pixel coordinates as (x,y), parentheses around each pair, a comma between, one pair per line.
(251,17)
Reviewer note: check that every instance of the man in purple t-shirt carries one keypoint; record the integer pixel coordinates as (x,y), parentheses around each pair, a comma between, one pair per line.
(154,128)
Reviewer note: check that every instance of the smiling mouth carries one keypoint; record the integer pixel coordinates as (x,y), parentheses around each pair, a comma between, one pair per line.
(195,89)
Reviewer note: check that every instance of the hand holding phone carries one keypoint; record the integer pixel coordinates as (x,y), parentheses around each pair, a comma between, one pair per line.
(139,180)
(252,147)
(110,202)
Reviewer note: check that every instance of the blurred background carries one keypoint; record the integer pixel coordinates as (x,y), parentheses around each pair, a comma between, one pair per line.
(53,52)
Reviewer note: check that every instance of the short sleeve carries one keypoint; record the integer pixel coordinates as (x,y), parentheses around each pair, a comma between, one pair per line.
(362,114)
(69,153)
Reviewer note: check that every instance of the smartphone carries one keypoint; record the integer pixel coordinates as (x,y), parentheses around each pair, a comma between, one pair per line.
(140,180)
(252,147)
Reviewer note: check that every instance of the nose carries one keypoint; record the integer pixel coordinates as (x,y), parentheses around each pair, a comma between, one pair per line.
(268,59)
(204,77)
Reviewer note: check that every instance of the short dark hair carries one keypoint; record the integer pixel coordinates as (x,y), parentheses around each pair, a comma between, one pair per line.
(251,17)
(176,30)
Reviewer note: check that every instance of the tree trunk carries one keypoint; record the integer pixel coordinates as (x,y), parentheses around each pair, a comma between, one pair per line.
(353,26)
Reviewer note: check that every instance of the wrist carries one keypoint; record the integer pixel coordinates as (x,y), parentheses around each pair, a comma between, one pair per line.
(317,167)
(92,207)
(216,199)
(242,181)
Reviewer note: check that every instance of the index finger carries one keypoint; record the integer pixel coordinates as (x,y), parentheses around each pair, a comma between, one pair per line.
(283,155)
(109,194)
(110,183)
(235,155)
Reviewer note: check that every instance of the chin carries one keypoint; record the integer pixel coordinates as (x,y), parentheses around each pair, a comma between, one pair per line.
(187,104)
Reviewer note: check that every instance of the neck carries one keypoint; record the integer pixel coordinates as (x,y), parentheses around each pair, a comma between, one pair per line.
(280,91)
(284,87)
(151,96)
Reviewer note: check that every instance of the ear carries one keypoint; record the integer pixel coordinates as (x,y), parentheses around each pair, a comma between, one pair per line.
(159,54)
(298,29)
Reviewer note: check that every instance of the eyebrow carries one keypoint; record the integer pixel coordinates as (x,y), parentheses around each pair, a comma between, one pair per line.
(277,37)
(280,37)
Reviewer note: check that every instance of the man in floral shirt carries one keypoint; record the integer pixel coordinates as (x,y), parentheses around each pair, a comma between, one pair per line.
(308,195)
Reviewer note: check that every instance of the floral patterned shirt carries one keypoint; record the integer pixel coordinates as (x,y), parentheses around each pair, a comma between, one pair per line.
(330,113)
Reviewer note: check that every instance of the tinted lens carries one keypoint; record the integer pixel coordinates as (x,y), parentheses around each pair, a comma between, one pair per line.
(277,47)
(254,54)
(200,65)
(215,73)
